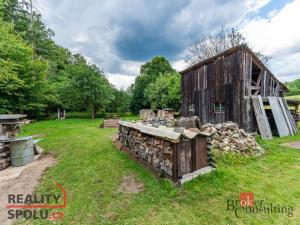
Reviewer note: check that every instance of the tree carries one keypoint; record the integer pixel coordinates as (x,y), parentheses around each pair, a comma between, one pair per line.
(148,74)
(120,102)
(216,43)
(28,24)
(294,87)
(83,87)
(37,75)
(10,87)
(164,92)
(22,78)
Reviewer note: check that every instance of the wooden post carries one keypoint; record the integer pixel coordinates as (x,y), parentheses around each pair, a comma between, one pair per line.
(175,162)
(59,116)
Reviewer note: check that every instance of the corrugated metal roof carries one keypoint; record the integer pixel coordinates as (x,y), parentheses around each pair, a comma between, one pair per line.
(281,116)
(261,117)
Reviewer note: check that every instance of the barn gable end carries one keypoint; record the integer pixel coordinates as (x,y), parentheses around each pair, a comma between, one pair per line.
(219,89)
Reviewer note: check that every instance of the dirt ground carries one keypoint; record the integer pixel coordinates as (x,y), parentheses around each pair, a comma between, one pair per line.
(24,183)
(131,185)
(295,144)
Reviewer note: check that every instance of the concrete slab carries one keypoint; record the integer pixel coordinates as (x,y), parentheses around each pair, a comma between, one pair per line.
(21,180)
(193,175)
(14,172)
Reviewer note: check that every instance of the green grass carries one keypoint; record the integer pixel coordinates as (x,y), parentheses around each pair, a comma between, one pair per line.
(91,170)
(295,97)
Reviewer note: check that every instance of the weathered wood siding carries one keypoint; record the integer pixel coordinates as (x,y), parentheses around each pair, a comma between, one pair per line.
(226,79)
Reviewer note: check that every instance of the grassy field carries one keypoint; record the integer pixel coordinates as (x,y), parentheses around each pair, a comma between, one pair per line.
(296,97)
(91,170)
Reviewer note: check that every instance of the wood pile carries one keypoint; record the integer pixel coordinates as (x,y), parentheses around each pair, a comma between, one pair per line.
(4,156)
(9,130)
(110,123)
(154,151)
(227,137)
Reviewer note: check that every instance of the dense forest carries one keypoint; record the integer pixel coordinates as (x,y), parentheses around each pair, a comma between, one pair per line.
(37,76)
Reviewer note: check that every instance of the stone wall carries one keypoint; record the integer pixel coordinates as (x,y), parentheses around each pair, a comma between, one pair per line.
(154,151)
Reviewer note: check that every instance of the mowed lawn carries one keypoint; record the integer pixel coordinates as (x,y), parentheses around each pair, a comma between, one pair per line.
(91,170)
(295,97)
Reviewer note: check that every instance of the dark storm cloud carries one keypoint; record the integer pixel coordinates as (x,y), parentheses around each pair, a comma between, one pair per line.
(163,29)
(141,43)
(147,35)
(136,30)
(119,35)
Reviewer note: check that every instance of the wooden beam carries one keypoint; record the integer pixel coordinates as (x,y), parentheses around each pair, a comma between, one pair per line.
(258,83)
(253,82)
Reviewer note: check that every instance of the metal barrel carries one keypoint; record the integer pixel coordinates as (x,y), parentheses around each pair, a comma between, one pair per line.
(21,151)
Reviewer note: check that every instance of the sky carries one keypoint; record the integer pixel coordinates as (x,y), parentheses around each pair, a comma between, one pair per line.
(120,35)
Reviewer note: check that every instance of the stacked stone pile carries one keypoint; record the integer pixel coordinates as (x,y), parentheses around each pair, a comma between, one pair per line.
(157,121)
(228,137)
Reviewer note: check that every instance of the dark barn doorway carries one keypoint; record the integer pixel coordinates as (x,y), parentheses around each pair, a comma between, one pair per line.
(255,79)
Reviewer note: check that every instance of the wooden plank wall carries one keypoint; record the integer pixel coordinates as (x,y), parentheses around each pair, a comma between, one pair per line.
(219,81)
(225,79)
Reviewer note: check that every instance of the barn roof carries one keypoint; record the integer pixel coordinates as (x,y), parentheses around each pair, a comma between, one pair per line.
(229,52)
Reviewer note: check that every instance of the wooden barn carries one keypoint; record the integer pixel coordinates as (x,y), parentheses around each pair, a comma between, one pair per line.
(236,86)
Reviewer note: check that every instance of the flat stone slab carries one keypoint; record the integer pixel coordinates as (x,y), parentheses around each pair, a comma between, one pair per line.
(190,176)
(21,180)
(295,144)
(13,172)
(12,116)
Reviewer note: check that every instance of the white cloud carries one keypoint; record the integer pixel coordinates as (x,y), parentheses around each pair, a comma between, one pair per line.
(81,37)
(120,81)
(278,36)
(131,67)
(278,33)
(180,65)
(254,5)
(287,67)
(97,29)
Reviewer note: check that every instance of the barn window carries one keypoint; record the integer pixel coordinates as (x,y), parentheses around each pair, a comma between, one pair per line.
(219,107)
(191,107)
